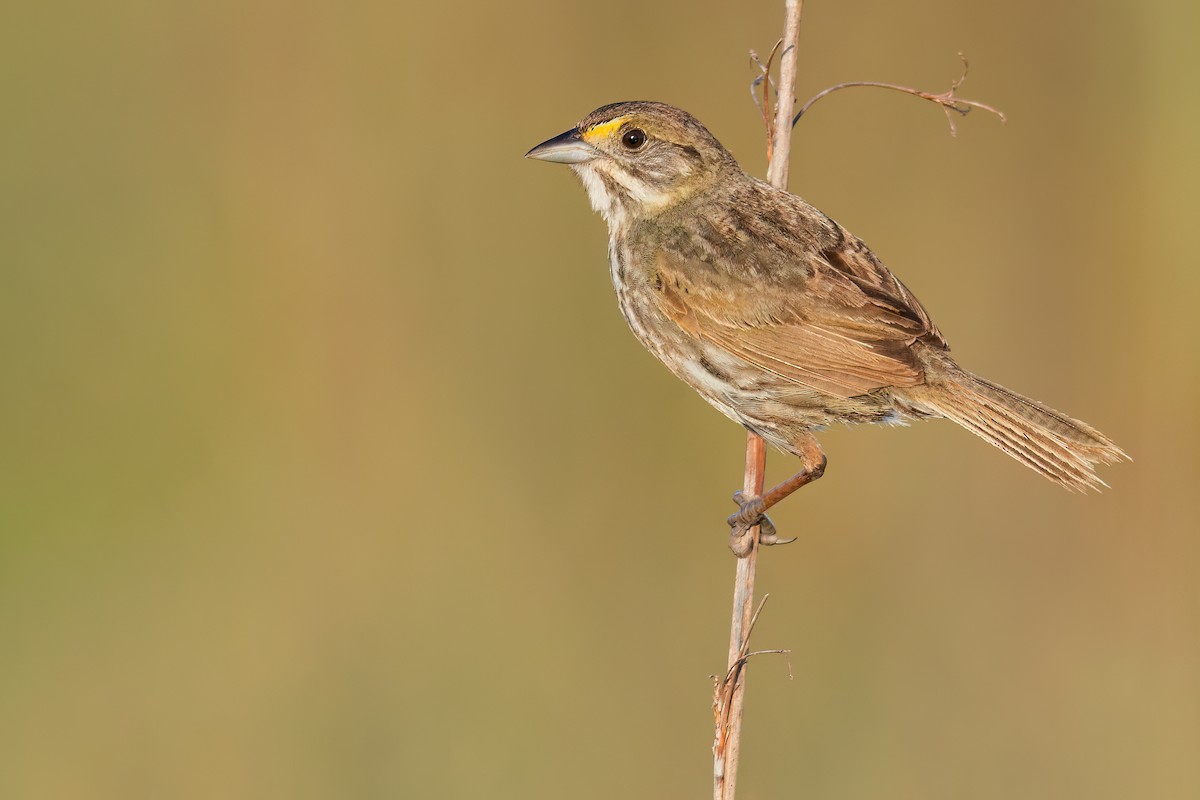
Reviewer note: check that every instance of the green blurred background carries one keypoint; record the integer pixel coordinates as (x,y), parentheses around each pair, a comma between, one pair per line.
(331,470)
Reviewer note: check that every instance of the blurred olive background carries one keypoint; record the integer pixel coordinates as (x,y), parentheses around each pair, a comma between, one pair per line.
(330,469)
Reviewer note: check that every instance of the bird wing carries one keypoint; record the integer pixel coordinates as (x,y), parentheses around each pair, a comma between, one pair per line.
(828,316)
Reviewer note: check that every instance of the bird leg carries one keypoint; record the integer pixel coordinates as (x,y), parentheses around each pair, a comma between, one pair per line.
(752,510)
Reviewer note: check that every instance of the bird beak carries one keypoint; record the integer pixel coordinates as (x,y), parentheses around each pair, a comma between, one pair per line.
(566,148)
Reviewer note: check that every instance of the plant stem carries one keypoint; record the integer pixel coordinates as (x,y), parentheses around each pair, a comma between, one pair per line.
(728,747)
(731,698)
(785,101)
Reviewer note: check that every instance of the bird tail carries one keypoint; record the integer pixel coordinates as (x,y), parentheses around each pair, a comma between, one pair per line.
(1062,449)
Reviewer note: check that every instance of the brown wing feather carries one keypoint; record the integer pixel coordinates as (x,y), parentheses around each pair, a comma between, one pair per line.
(838,323)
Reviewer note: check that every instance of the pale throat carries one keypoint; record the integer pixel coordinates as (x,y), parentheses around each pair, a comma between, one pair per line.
(618,195)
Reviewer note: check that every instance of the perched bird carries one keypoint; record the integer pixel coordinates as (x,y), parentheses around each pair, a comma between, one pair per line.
(777,315)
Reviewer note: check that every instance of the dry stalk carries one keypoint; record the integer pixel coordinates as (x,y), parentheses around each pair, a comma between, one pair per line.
(730,695)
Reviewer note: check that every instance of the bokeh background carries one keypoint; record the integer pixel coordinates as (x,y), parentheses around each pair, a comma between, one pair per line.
(329,468)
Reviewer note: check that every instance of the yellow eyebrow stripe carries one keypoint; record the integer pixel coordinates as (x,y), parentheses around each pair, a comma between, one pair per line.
(597,132)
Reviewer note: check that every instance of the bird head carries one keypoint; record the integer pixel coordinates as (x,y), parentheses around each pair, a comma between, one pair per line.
(637,159)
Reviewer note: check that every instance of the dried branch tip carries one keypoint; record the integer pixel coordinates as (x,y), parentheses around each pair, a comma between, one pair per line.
(948,100)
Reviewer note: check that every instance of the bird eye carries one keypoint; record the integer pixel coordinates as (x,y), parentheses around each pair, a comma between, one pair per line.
(633,138)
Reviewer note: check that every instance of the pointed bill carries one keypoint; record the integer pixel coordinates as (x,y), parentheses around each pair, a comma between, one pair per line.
(566,148)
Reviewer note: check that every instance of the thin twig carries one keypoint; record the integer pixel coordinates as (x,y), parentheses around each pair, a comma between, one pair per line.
(723,690)
(947,99)
(731,691)
(741,662)
(764,106)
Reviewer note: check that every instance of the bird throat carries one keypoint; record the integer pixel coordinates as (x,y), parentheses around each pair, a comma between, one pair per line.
(619,195)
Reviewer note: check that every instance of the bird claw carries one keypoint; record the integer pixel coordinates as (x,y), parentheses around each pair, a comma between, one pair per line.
(748,515)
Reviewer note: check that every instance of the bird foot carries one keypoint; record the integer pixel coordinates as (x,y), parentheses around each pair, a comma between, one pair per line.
(750,513)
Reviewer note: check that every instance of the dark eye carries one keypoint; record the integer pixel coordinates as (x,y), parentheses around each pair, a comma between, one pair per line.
(633,138)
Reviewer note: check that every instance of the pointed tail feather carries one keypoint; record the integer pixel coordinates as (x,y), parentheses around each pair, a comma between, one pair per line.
(1062,449)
